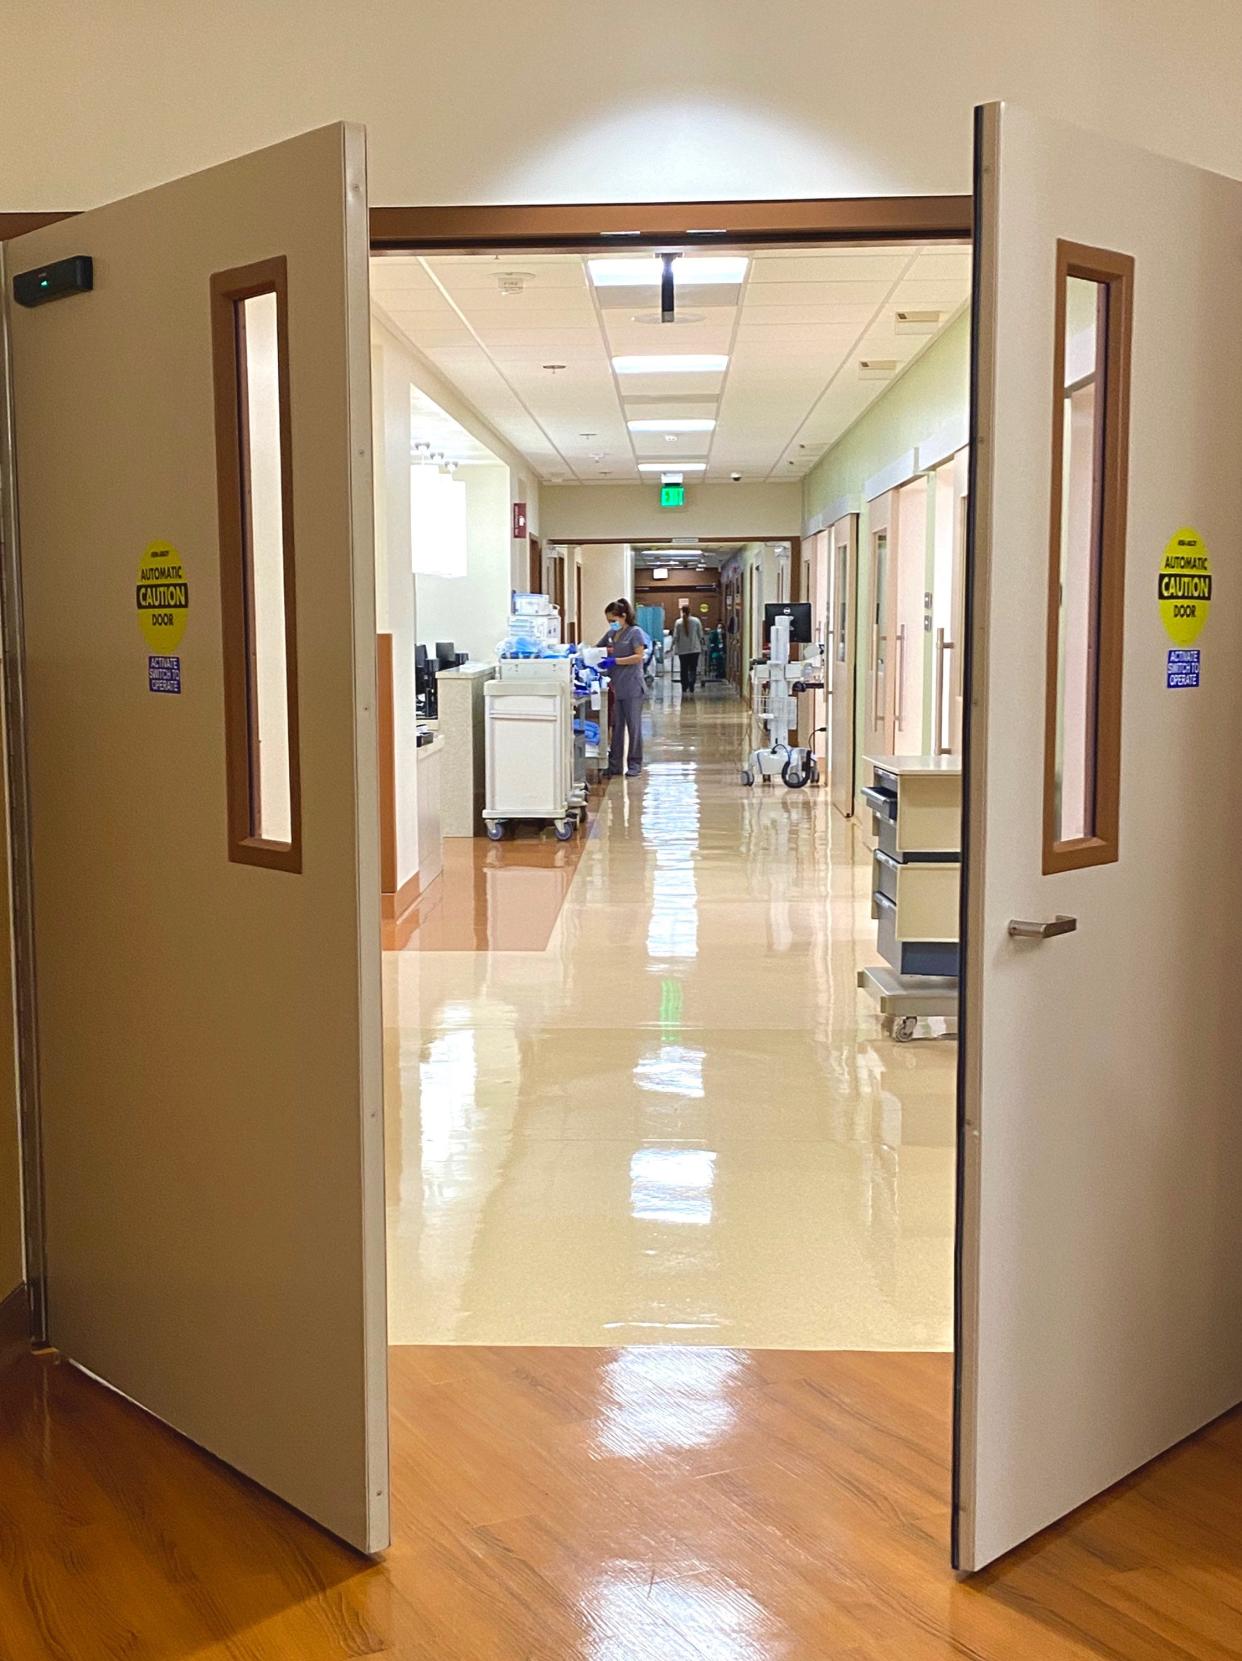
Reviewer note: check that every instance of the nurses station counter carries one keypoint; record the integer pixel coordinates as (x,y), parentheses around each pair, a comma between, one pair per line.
(916,803)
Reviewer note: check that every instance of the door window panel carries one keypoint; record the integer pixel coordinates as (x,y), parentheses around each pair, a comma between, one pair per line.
(257,564)
(1087,558)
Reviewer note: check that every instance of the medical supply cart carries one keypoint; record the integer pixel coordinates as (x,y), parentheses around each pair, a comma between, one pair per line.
(530,746)
(916,805)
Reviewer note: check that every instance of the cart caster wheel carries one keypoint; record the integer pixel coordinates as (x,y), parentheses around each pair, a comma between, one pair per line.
(496,830)
(904,1029)
(793,776)
(564,829)
(747,776)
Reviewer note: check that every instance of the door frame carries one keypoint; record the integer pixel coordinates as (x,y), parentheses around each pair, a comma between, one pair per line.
(17,822)
(843,540)
(404,230)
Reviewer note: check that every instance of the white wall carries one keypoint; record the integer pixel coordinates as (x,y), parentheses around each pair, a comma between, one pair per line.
(394,576)
(577,512)
(607,574)
(524,485)
(557,101)
(473,610)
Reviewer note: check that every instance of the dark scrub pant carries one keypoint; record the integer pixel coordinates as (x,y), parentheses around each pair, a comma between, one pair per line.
(689,670)
(627,721)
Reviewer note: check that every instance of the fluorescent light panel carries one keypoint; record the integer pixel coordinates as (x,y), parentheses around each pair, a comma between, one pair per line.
(672,363)
(715,269)
(672,466)
(702,425)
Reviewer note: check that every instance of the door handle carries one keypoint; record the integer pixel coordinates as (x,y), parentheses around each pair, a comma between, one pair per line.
(899,714)
(943,647)
(1060,924)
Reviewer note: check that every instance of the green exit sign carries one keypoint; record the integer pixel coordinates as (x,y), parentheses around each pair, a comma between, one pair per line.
(672,495)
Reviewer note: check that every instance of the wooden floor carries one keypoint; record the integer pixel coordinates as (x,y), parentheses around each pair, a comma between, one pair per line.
(689,1504)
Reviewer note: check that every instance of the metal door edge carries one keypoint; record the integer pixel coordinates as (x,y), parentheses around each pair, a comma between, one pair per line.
(21,871)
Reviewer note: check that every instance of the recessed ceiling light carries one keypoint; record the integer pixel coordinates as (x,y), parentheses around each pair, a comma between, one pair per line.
(663,466)
(672,363)
(688,271)
(696,425)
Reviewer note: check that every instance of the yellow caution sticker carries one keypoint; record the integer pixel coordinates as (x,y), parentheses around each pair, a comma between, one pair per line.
(163,597)
(1184,587)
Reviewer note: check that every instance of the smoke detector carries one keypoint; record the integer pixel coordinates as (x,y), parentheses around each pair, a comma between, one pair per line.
(513,282)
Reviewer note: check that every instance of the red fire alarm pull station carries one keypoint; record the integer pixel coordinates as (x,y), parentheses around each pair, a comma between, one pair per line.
(519,519)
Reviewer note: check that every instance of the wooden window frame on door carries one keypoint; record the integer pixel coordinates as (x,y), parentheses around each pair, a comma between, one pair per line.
(1115,272)
(229,291)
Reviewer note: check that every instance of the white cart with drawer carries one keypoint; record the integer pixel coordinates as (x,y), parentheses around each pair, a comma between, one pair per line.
(530,746)
(916,803)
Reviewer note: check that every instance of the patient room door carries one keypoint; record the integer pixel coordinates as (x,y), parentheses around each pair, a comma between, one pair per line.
(843,545)
(195,544)
(1100,1234)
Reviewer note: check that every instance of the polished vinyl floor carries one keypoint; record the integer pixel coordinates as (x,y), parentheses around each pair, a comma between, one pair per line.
(635,1097)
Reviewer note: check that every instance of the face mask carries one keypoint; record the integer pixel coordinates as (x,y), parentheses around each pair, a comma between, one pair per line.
(614,625)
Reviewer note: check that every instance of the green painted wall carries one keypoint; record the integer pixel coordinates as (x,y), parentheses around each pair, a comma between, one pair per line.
(934,391)
(930,393)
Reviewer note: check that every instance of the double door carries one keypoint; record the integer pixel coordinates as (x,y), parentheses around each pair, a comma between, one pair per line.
(194,586)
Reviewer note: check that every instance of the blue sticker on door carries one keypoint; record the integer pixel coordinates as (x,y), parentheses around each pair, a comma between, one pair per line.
(164,674)
(1183,667)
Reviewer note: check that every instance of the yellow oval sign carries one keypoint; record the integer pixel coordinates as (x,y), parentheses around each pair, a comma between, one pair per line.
(163,597)
(1184,587)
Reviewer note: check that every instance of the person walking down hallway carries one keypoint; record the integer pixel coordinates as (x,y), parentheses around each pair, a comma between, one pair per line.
(627,646)
(687,647)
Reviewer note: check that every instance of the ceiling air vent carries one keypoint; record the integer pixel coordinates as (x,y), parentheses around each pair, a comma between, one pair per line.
(917,322)
(877,369)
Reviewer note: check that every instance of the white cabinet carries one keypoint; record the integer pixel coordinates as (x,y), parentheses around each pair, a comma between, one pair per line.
(529,725)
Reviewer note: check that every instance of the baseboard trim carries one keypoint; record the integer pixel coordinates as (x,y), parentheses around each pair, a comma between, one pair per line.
(14,1326)
(396,931)
(394,906)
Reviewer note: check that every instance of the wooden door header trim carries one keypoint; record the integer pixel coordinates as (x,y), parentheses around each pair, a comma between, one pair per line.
(621,225)
(397,230)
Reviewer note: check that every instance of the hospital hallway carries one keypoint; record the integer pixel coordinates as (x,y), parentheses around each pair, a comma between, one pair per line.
(661,1111)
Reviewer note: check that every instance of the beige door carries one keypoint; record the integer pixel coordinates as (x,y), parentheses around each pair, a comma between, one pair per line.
(880,704)
(951,501)
(1100,1241)
(909,634)
(193,466)
(842,656)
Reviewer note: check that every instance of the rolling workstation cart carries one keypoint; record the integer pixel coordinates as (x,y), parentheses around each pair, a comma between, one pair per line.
(530,746)
(916,803)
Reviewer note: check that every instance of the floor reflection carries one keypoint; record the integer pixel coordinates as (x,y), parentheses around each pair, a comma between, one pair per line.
(657,1108)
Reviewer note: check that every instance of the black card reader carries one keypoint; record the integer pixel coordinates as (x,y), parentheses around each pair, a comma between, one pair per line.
(75,275)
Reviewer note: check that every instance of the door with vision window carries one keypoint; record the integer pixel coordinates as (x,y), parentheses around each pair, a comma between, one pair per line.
(197,587)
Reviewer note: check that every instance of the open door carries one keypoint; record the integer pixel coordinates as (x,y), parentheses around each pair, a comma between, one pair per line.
(197,595)
(842,656)
(1100,1235)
